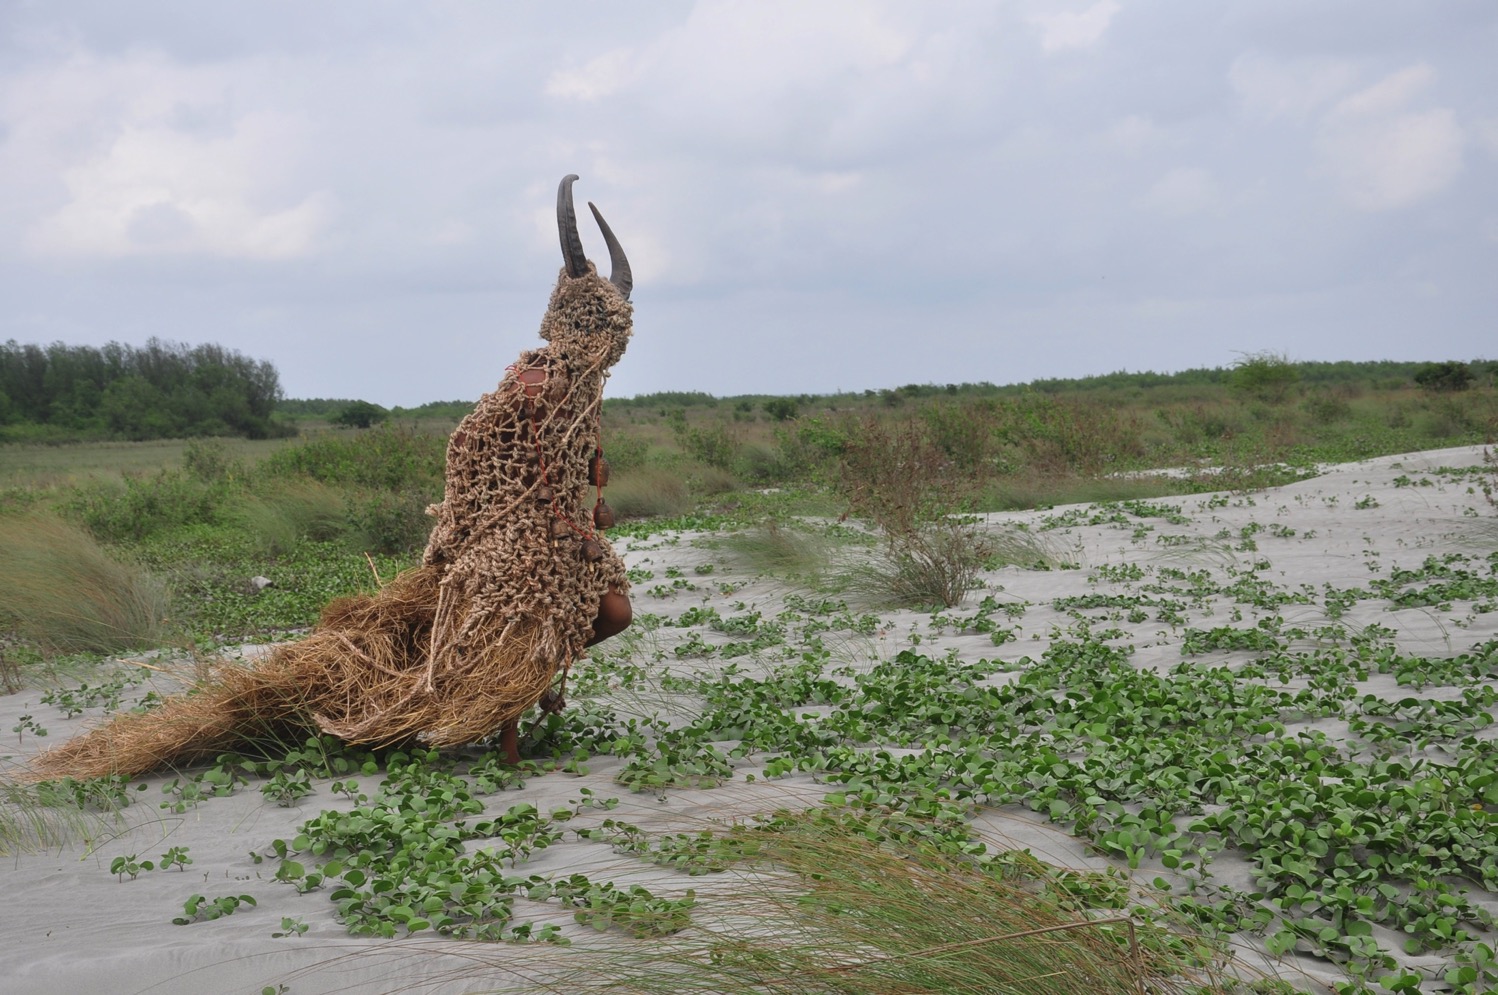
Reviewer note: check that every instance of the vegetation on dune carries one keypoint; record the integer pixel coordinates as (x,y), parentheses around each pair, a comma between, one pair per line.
(910,463)
(1354,849)
(65,593)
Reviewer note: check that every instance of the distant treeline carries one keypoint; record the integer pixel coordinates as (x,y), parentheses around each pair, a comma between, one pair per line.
(167,390)
(331,408)
(159,390)
(1388,374)
(1385,373)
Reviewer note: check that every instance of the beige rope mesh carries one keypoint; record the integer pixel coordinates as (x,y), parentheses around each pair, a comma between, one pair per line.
(451,650)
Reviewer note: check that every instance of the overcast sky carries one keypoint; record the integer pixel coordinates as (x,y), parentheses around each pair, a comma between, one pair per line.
(815,195)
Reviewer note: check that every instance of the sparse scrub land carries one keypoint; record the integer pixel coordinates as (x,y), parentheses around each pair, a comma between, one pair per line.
(1207,749)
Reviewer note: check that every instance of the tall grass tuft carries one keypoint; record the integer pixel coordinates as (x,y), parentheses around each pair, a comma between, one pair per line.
(649,491)
(832,908)
(938,562)
(907,485)
(790,550)
(65,593)
(294,511)
(31,823)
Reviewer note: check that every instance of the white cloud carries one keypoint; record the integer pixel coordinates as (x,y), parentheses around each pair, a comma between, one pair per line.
(1390,94)
(1381,154)
(1074,29)
(1486,133)
(1271,88)
(138,156)
(1183,191)
(599,77)
(1132,134)
(735,52)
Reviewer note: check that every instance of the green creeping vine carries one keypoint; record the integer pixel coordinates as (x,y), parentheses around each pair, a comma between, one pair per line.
(1166,771)
(418,856)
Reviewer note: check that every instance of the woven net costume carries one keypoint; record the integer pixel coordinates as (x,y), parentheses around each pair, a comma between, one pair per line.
(508,594)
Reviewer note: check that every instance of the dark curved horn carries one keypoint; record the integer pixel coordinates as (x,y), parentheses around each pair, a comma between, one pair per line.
(572,245)
(619,273)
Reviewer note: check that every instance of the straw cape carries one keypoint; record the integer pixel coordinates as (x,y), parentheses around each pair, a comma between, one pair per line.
(507,595)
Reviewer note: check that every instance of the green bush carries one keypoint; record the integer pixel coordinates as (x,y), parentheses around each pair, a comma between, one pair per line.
(209,461)
(964,431)
(1447,377)
(625,452)
(391,521)
(1267,376)
(1326,408)
(782,408)
(361,414)
(712,444)
(139,506)
(1060,436)
(387,457)
(811,448)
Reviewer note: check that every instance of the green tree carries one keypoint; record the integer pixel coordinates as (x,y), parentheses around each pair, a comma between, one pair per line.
(1265,375)
(782,408)
(1447,377)
(361,414)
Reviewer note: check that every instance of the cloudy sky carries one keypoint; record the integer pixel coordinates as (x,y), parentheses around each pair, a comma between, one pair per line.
(815,194)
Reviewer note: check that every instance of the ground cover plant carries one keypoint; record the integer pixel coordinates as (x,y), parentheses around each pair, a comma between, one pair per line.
(1331,847)
(1251,754)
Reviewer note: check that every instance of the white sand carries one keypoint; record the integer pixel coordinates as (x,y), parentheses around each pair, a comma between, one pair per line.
(69,926)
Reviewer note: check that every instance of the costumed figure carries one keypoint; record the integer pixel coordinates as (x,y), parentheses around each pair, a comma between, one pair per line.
(517,578)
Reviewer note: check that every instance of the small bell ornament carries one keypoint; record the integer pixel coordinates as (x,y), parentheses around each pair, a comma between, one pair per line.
(598,470)
(603,515)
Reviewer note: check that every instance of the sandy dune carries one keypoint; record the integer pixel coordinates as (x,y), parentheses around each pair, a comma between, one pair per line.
(69,925)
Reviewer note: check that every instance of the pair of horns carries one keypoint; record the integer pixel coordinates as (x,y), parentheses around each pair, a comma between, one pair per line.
(572,245)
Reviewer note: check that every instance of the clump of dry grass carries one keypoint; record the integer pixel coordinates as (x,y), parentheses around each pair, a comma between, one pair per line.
(65,593)
(937,563)
(913,491)
(825,905)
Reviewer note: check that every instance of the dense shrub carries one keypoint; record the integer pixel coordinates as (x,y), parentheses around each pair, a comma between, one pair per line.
(1064,436)
(782,408)
(1267,376)
(387,457)
(625,452)
(966,432)
(1444,377)
(138,506)
(360,414)
(391,521)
